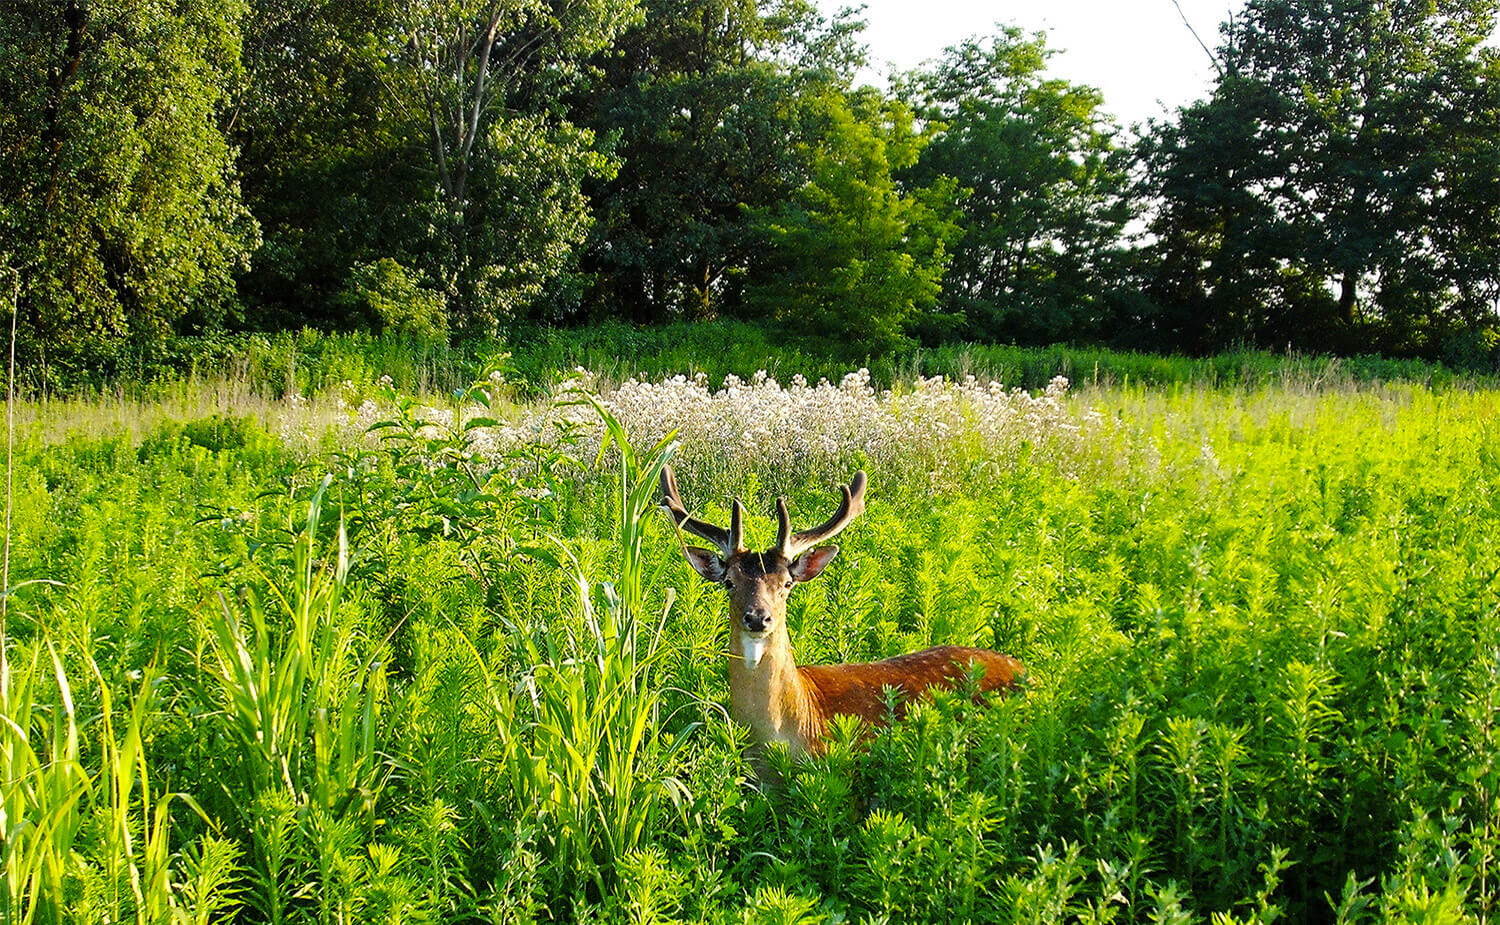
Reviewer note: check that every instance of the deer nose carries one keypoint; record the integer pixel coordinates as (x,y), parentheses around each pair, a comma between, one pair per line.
(757,619)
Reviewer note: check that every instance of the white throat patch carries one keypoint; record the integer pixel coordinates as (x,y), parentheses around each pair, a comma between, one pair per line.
(753,648)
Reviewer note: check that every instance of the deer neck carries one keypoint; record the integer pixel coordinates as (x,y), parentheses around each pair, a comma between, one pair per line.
(768,693)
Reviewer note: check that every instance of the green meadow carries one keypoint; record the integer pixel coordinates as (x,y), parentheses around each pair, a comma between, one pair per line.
(282,648)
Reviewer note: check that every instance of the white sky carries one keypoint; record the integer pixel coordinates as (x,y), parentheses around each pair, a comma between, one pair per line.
(1136,52)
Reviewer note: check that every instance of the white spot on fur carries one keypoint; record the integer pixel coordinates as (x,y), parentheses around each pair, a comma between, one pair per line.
(753,648)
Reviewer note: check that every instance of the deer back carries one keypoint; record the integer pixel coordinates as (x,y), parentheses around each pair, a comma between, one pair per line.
(859,689)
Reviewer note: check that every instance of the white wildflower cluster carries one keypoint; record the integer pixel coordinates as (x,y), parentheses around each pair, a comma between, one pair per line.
(344,417)
(762,421)
(292,419)
(365,416)
(932,423)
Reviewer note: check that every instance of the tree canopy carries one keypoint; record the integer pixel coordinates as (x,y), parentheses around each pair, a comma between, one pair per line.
(119,194)
(444,168)
(855,257)
(1338,183)
(702,101)
(1044,205)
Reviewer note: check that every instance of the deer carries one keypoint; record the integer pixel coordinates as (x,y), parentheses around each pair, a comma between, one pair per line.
(779,700)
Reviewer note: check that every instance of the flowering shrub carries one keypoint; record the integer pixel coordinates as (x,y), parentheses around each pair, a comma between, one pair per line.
(804,427)
(761,425)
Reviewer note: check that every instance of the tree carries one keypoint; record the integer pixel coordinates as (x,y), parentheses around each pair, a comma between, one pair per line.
(331,167)
(854,257)
(701,99)
(118,193)
(1333,190)
(485,81)
(431,133)
(1045,204)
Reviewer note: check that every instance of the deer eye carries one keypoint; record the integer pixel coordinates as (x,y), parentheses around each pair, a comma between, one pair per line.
(789,582)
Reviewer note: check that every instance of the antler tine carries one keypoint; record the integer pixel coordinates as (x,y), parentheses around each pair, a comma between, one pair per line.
(792,545)
(737,526)
(725,540)
(783,527)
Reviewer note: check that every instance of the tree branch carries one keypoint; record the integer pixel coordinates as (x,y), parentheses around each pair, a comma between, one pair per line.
(1206,50)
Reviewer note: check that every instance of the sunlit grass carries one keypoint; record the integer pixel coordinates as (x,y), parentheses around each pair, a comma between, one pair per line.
(417,676)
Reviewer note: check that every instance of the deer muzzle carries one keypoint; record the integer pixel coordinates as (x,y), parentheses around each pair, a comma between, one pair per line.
(757,619)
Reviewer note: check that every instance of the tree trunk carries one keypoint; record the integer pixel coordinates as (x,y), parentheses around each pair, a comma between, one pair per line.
(76,20)
(704,286)
(1348,296)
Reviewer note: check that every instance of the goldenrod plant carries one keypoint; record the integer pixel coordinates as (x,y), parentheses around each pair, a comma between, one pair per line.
(454,669)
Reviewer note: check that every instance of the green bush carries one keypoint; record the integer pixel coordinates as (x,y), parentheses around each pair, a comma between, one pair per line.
(240,435)
(310,362)
(396,302)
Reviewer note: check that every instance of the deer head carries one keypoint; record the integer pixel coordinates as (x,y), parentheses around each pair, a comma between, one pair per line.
(760,582)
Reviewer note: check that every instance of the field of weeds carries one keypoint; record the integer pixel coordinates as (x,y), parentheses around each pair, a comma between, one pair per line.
(380,657)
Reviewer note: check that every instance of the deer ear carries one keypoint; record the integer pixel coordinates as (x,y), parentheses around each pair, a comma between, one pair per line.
(810,564)
(705,562)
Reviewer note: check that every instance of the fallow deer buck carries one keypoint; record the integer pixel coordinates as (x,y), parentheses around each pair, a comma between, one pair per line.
(769,692)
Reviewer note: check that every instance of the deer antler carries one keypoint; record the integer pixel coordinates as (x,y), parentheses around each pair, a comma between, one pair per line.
(791,545)
(728,542)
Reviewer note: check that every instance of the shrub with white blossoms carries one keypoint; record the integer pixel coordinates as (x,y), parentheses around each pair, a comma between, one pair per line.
(798,429)
(802,426)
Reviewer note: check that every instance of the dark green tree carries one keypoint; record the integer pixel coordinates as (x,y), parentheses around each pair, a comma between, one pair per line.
(431,133)
(486,79)
(701,99)
(328,158)
(855,258)
(1045,205)
(118,194)
(1335,189)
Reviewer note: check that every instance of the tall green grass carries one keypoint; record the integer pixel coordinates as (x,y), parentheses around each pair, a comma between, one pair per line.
(1260,624)
(309,363)
(88,833)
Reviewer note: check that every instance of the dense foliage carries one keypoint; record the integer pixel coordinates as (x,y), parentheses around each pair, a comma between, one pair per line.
(1339,184)
(854,260)
(311,364)
(420,135)
(451,168)
(456,669)
(1044,200)
(119,189)
(703,100)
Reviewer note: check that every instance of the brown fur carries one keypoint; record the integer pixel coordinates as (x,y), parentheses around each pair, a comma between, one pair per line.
(783,702)
(857,689)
